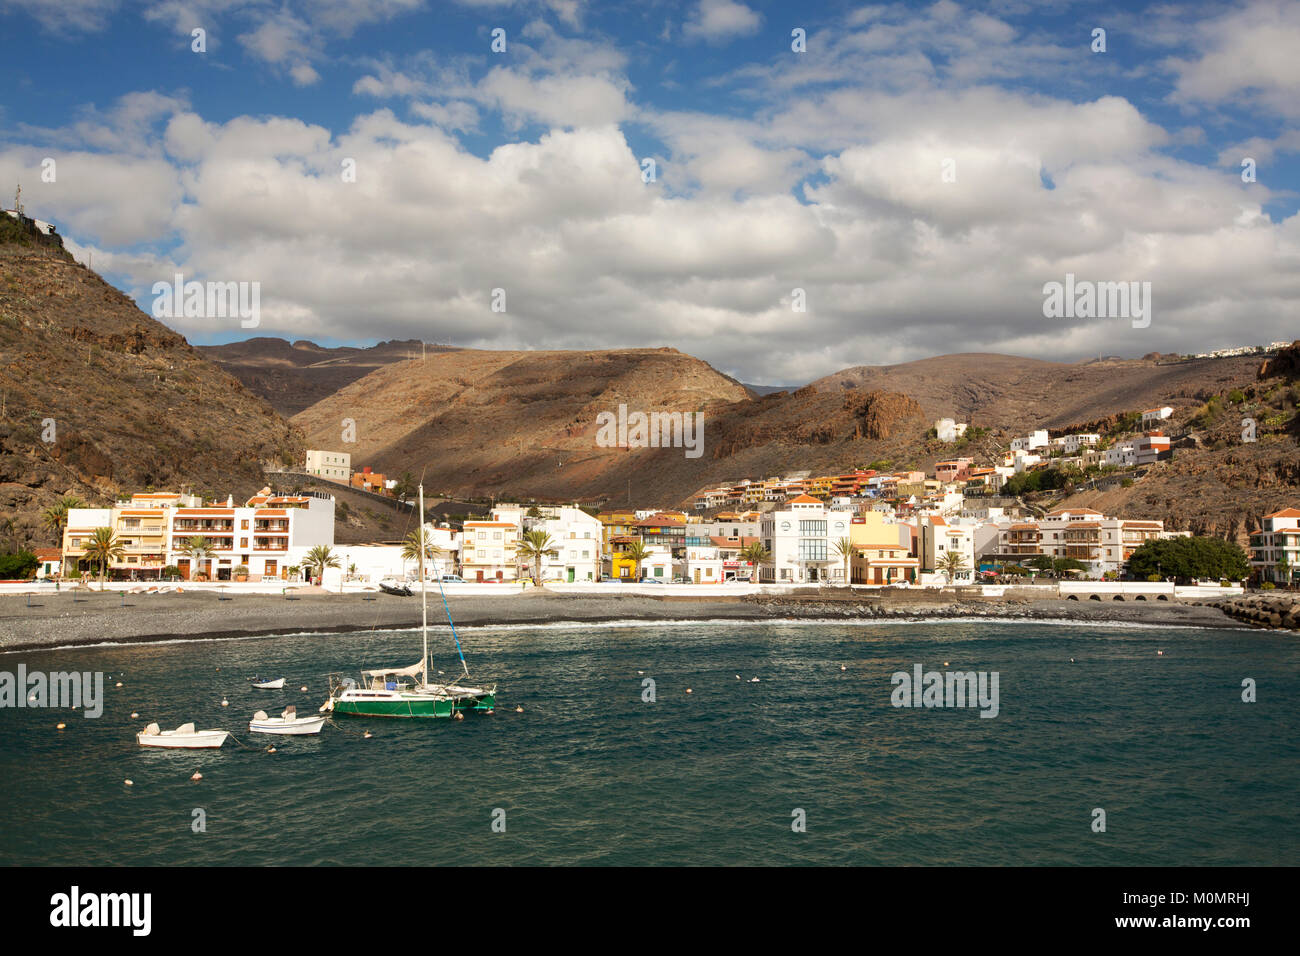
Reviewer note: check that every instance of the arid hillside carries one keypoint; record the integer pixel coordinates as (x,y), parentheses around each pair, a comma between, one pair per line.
(1013,393)
(98,398)
(294,376)
(476,422)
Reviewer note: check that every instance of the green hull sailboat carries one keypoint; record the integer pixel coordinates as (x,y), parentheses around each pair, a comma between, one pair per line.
(406,692)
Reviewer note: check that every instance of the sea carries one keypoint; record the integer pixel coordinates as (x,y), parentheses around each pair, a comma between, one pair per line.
(699,743)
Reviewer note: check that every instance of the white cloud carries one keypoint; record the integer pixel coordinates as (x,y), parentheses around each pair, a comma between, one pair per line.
(1246,53)
(717,20)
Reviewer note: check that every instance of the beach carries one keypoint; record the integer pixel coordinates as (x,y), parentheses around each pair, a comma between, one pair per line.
(84,617)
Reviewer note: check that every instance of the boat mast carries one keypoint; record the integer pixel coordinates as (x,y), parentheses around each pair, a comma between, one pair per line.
(424,601)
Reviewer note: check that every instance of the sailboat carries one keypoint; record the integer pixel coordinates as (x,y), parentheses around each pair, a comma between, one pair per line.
(396,691)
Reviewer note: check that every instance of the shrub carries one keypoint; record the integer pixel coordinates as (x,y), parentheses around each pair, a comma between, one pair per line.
(1267,586)
(21,564)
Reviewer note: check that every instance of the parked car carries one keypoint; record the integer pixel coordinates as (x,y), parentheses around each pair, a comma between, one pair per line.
(452,579)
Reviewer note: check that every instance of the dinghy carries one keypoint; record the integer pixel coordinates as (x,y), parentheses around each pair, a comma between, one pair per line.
(287,723)
(183,736)
(277,684)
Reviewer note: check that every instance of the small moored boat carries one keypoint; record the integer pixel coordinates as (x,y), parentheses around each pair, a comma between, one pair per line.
(184,736)
(277,684)
(287,723)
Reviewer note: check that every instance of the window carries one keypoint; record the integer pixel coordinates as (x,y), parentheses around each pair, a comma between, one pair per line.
(812,549)
(811,527)
(496,536)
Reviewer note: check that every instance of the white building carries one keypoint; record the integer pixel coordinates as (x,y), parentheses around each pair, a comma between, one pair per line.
(334,465)
(801,542)
(949,430)
(1154,416)
(489,550)
(936,538)
(1083,439)
(1102,544)
(1036,439)
(577,539)
(267,536)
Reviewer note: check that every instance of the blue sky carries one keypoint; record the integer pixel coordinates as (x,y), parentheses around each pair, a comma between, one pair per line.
(822,171)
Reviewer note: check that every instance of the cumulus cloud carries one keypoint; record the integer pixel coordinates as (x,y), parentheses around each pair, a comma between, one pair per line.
(1247,51)
(717,20)
(917,217)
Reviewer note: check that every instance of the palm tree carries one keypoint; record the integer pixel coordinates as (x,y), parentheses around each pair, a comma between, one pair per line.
(55,517)
(103,547)
(533,546)
(321,557)
(404,488)
(198,549)
(638,552)
(844,548)
(755,554)
(952,564)
(411,547)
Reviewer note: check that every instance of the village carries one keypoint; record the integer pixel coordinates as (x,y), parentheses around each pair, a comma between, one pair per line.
(962,524)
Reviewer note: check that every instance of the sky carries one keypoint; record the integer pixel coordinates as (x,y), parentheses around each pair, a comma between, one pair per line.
(642,174)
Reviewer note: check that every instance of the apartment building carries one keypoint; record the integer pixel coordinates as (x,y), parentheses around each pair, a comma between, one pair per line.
(333,465)
(1277,542)
(936,538)
(800,540)
(260,539)
(956,469)
(489,549)
(1101,543)
(578,538)
(882,550)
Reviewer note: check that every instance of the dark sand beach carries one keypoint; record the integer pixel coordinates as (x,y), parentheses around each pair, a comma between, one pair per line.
(91,617)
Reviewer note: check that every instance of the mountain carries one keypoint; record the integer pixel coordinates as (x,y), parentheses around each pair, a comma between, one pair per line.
(524,424)
(1014,393)
(294,376)
(97,398)
(480,422)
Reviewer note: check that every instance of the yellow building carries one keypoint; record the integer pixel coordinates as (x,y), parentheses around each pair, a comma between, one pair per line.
(879,555)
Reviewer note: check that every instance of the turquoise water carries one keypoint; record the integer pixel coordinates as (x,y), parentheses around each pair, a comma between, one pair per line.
(591,774)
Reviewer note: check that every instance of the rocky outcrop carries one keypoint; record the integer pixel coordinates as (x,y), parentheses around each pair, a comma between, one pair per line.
(1263,609)
(879,413)
(1285,363)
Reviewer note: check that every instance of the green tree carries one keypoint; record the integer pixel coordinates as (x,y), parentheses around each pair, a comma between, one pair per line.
(318,559)
(533,546)
(411,547)
(198,549)
(405,486)
(638,552)
(844,548)
(102,548)
(55,517)
(755,554)
(1190,558)
(953,564)
(17,566)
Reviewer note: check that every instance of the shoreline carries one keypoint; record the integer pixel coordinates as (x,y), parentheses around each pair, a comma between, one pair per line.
(70,620)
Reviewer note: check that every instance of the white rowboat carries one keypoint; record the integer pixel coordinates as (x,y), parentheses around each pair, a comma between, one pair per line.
(277,684)
(184,736)
(287,723)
